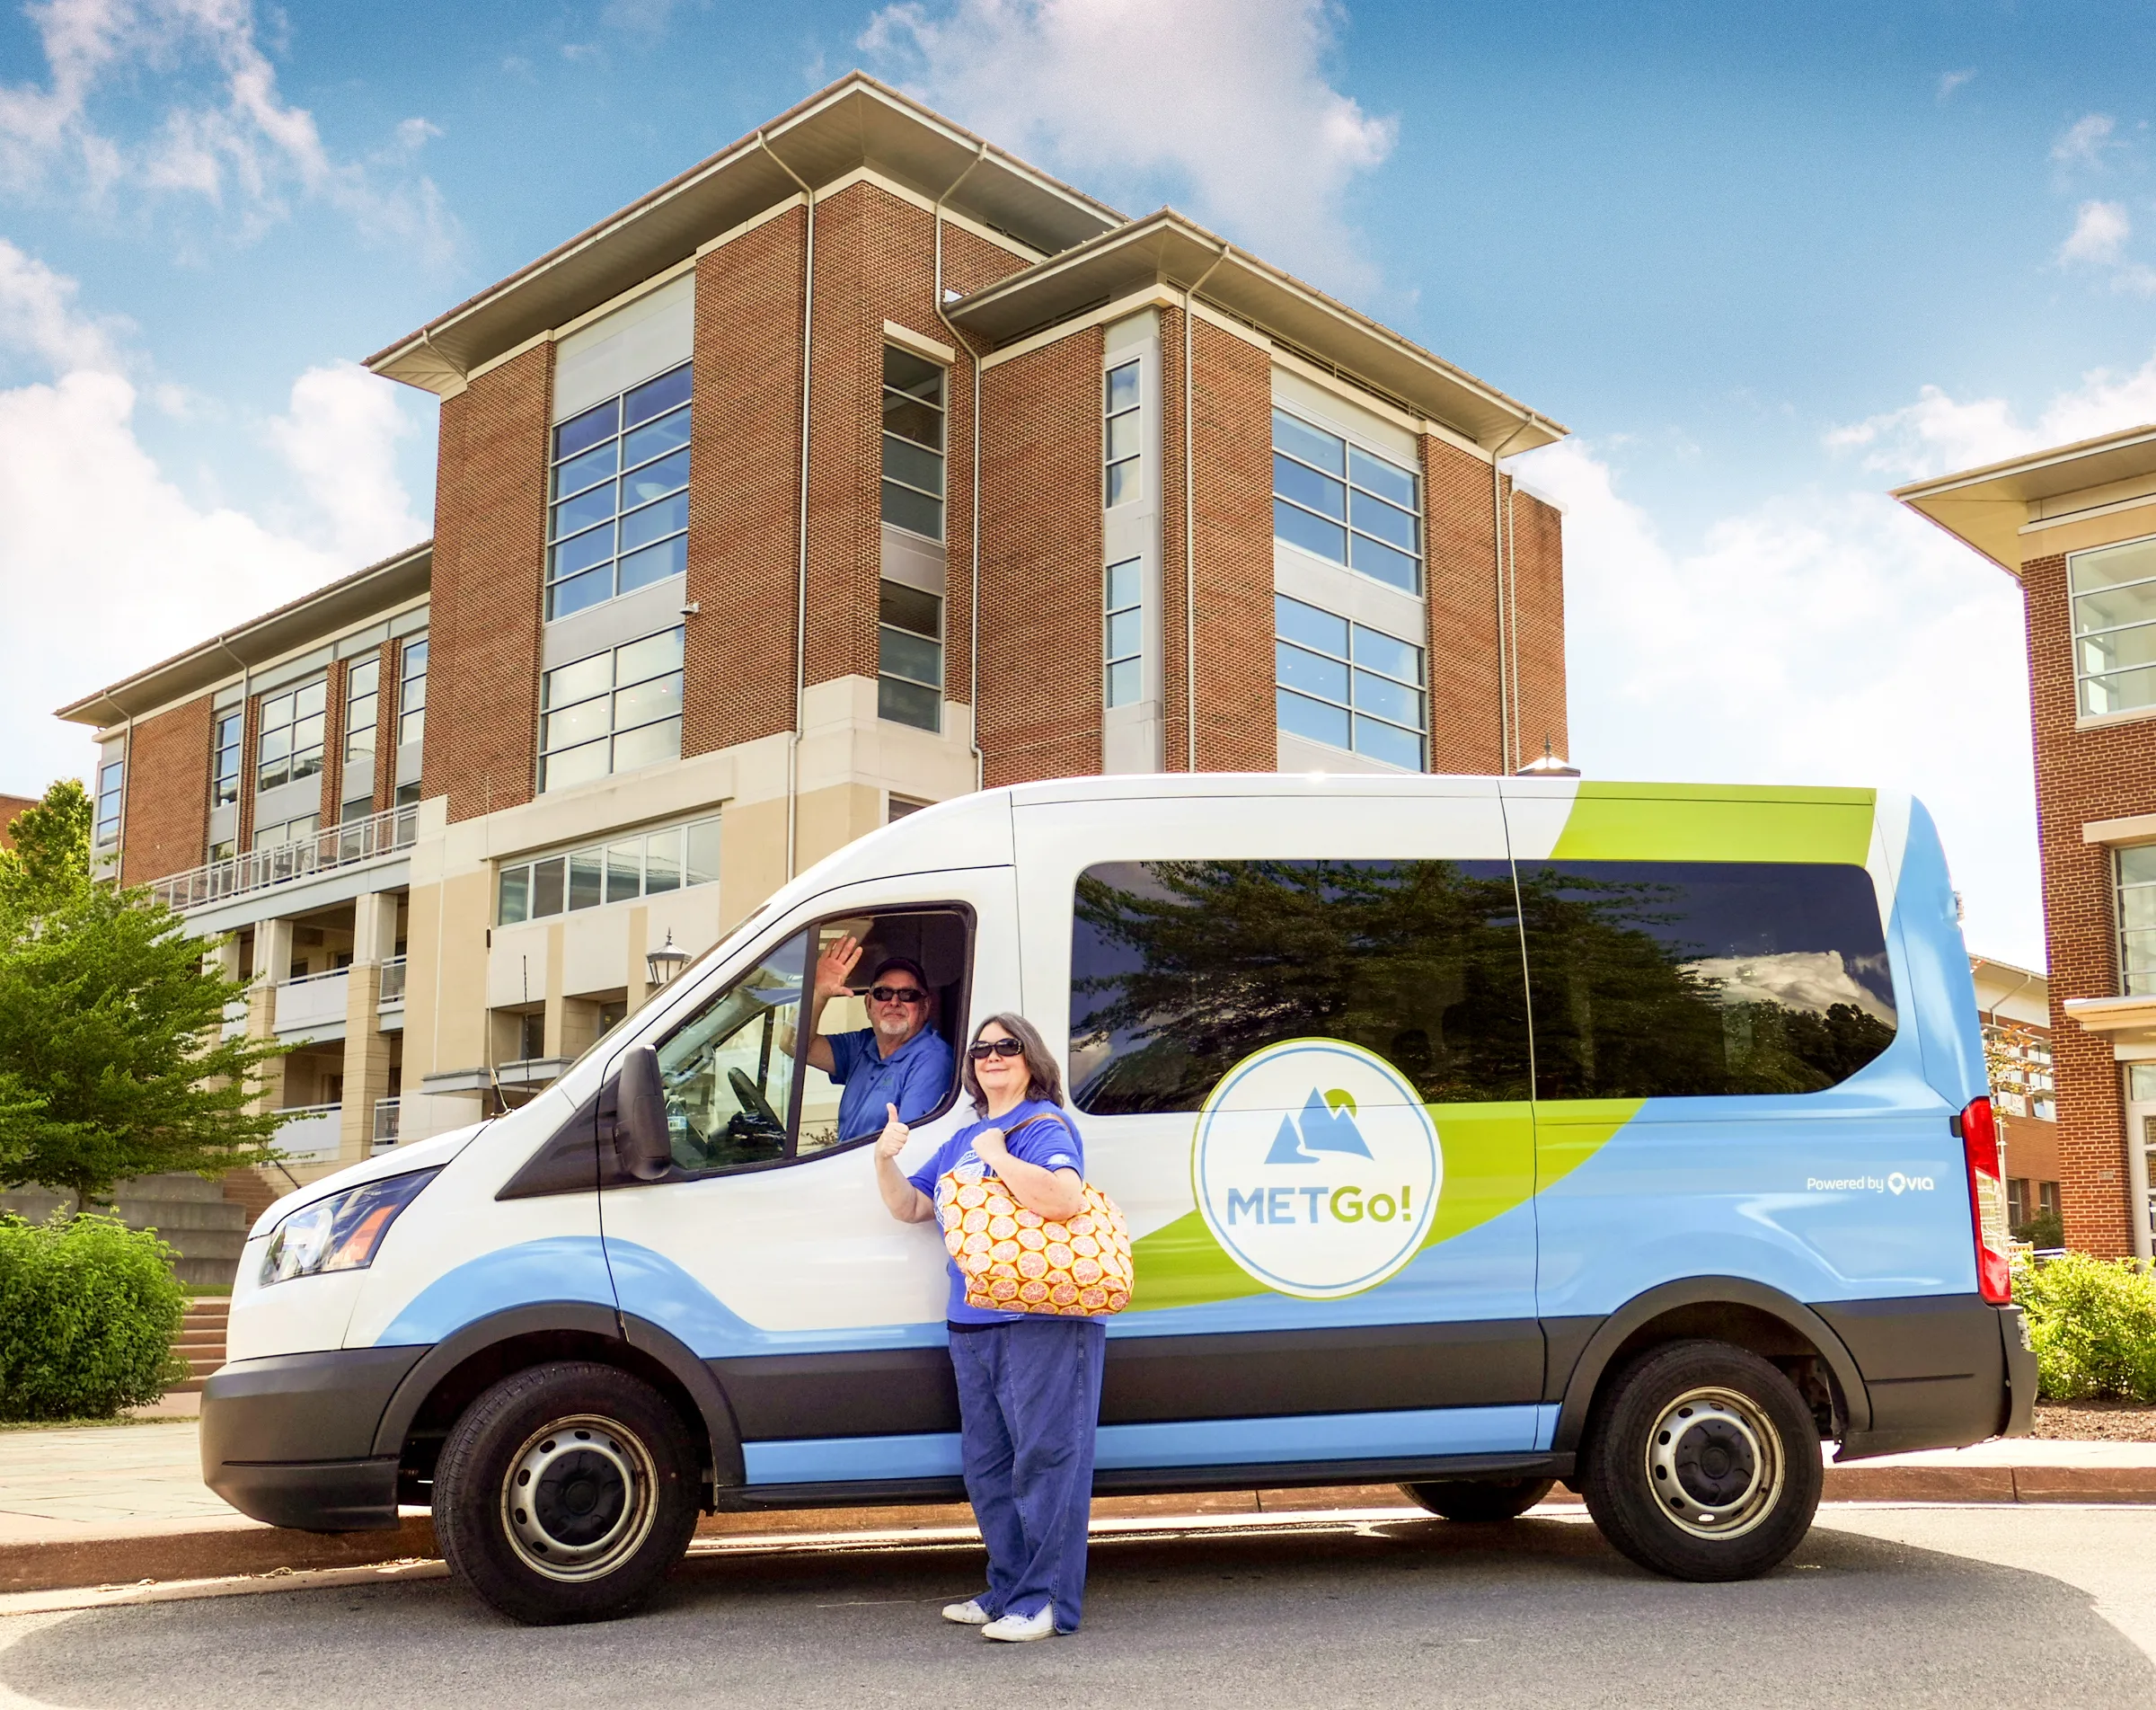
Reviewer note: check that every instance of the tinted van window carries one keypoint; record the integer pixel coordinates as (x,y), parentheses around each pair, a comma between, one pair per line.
(1181,968)
(1678,979)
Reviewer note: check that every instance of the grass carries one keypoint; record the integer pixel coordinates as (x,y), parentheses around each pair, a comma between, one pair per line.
(78,1424)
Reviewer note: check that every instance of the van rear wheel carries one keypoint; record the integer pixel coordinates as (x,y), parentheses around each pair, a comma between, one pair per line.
(1479,1499)
(565,1493)
(1702,1463)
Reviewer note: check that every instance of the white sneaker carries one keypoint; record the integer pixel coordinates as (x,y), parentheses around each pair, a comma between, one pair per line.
(1019,1628)
(967,1614)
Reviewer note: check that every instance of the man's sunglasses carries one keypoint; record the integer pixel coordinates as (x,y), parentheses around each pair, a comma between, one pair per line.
(982,1050)
(897,994)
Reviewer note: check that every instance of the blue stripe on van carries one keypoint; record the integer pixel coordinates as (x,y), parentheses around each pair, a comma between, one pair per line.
(1201,1442)
(562,1267)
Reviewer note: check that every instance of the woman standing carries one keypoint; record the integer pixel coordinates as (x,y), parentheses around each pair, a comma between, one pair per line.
(1028,1385)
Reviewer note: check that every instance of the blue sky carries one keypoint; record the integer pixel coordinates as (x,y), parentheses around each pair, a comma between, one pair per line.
(1765,262)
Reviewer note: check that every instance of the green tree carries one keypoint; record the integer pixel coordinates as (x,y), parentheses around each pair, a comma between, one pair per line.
(112,1059)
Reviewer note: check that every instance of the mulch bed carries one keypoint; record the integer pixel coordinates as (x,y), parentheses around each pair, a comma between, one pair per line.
(2110,1421)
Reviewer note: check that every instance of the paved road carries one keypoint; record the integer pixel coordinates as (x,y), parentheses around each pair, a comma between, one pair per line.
(1900,1606)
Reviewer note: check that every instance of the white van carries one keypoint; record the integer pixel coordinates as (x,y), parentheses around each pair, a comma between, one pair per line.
(1473,1134)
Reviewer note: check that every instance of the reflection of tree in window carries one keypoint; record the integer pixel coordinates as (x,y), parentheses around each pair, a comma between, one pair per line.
(1180,968)
(1675,978)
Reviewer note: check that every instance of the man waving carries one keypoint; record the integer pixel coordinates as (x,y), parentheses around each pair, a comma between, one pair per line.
(898,1058)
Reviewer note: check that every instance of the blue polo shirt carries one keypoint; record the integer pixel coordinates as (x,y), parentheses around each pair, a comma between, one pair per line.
(1053,1145)
(914,1077)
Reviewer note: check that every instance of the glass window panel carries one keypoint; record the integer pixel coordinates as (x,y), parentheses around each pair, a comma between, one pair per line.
(415,671)
(624,869)
(1123,482)
(668,517)
(910,608)
(1309,625)
(903,371)
(669,474)
(547,887)
(516,895)
(575,765)
(2137,864)
(578,682)
(907,704)
(2137,907)
(655,563)
(658,698)
(655,437)
(1387,522)
(272,774)
(1301,716)
(306,764)
(1312,445)
(2139,949)
(1307,487)
(412,728)
(1381,477)
(585,880)
(908,656)
(1384,742)
(579,723)
(2111,566)
(1373,558)
(1313,534)
(579,592)
(572,515)
(580,432)
(363,679)
(579,473)
(276,744)
(306,734)
(647,746)
(1124,684)
(728,1071)
(1123,387)
(662,861)
(1381,653)
(656,397)
(1123,440)
(310,700)
(652,656)
(902,508)
(2115,606)
(1309,672)
(703,853)
(1387,699)
(1125,635)
(594,547)
(2119,693)
(910,419)
(905,461)
(276,711)
(1123,584)
(2117,650)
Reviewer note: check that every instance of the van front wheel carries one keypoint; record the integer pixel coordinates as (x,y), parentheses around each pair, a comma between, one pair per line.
(565,1493)
(1702,1463)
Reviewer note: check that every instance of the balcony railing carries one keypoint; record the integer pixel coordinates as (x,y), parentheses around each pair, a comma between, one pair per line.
(334,846)
(386,1123)
(393,982)
(311,1134)
(313,1000)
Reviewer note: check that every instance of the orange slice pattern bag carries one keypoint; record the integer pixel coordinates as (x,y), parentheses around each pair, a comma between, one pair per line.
(1014,1260)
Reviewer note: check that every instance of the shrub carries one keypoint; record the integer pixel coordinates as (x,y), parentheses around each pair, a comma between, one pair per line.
(88,1311)
(2047,1231)
(2093,1324)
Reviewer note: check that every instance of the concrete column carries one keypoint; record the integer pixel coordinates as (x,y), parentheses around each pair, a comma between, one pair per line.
(637,977)
(272,965)
(557,1014)
(366,1046)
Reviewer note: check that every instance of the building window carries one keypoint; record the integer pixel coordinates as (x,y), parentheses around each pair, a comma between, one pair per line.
(913,442)
(620,513)
(111,781)
(275,837)
(611,713)
(646,864)
(909,657)
(900,806)
(289,747)
(1345,504)
(1119,441)
(1345,684)
(2115,626)
(2137,920)
(362,703)
(411,694)
(1126,636)
(225,760)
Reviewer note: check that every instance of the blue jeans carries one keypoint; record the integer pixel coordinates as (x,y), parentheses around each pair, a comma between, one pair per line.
(1028,1402)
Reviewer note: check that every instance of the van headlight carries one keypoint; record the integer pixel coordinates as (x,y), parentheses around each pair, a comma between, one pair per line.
(342,1232)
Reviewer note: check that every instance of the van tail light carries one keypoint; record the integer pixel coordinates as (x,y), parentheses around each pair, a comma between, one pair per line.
(1987,1201)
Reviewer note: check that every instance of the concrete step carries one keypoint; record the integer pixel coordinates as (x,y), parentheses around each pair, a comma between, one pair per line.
(171,1218)
(175,1185)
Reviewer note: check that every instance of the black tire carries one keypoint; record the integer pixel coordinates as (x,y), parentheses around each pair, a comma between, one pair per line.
(616,1488)
(1480,1499)
(1702,1462)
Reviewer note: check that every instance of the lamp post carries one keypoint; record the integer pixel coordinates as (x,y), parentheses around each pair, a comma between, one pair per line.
(668,960)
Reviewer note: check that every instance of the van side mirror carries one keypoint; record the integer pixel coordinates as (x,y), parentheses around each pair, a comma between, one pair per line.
(636,1104)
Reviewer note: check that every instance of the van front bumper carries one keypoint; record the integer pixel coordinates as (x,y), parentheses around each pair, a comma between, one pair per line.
(290,1439)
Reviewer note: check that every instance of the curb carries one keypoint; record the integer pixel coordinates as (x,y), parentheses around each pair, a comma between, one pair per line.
(235,1551)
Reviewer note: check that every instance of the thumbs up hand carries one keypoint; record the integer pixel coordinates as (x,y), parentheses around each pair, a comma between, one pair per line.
(895,1134)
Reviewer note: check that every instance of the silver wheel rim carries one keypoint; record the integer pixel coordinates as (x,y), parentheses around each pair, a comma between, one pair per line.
(578,1498)
(1714,1463)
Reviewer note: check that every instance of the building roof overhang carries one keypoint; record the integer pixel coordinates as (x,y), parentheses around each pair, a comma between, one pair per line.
(857,123)
(1989,508)
(1165,248)
(318,616)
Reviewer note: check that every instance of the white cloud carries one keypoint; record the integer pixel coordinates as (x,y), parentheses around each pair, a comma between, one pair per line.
(1950,81)
(106,565)
(2084,142)
(224,135)
(1223,101)
(2100,230)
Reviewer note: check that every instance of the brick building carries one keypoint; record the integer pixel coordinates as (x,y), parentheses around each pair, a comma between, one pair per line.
(728,486)
(10,806)
(2014,1005)
(2076,526)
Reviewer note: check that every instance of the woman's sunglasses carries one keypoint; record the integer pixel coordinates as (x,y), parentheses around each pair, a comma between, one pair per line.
(982,1050)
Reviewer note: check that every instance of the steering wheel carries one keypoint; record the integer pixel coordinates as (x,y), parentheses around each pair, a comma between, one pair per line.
(753,1103)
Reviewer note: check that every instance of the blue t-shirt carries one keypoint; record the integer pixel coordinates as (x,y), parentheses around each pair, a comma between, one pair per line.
(914,1077)
(1053,1145)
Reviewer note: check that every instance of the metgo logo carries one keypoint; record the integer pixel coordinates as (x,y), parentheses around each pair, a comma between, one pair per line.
(1317,1168)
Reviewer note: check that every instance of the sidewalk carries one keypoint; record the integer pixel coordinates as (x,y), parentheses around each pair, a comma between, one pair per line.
(126,1504)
